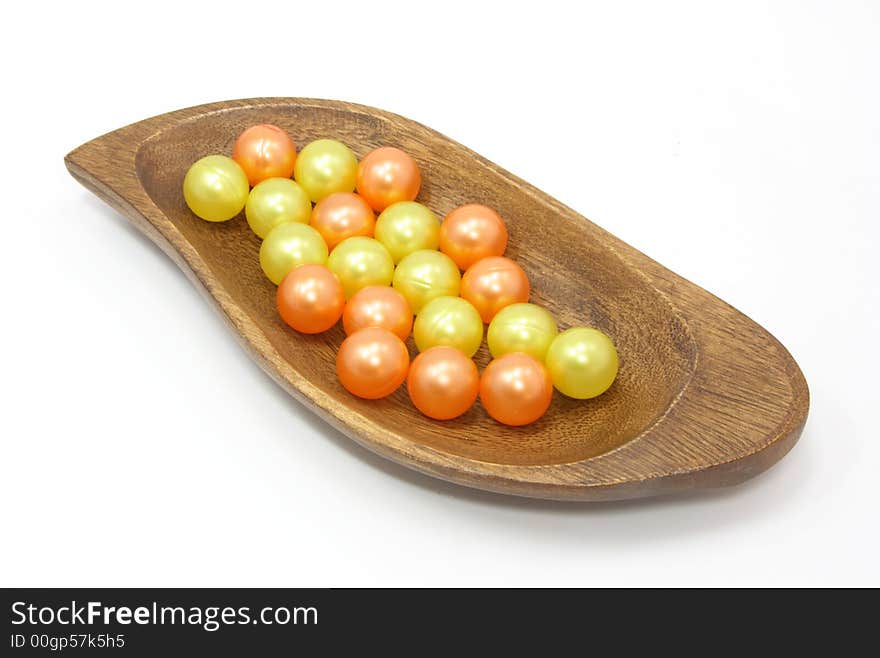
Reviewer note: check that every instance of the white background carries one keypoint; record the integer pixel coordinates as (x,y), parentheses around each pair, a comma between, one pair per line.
(739,146)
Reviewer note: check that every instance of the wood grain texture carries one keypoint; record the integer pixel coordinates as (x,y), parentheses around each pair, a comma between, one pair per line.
(705,397)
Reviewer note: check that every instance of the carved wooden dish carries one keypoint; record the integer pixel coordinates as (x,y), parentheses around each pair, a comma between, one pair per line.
(705,397)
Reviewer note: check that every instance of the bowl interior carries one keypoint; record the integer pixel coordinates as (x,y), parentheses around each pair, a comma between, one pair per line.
(576,277)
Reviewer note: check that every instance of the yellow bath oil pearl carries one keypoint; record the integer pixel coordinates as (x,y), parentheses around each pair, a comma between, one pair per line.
(582,362)
(407,226)
(275,201)
(450,321)
(290,245)
(521,328)
(215,188)
(424,275)
(325,166)
(360,262)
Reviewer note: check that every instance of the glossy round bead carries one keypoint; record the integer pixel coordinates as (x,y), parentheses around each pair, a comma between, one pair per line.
(582,362)
(215,188)
(310,299)
(524,328)
(472,232)
(492,283)
(450,321)
(516,389)
(424,275)
(275,201)
(378,306)
(387,175)
(342,215)
(290,245)
(325,166)
(406,227)
(264,151)
(372,363)
(443,383)
(360,262)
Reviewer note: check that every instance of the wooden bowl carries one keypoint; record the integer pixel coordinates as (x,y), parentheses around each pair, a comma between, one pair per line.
(705,397)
